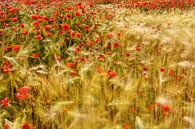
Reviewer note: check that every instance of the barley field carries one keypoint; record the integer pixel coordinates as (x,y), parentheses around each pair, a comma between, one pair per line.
(101,64)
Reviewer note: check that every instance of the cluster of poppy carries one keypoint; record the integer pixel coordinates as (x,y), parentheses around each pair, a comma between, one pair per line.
(22,94)
(161,4)
(150,5)
(7,67)
(25,125)
(41,27)
(105,1)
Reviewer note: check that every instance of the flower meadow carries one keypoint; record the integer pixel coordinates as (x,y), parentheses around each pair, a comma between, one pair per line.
(97,64)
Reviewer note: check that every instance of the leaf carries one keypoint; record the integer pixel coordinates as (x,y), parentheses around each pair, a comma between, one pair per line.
(42,72)
(11,59)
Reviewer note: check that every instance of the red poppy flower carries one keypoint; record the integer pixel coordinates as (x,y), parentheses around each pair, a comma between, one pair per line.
(62,18)
(73,73)
(69,8)
(132,110)
(51,19)
(138,49)
(91,5)
(36,56)
(82,59)
(36,24)
(38,31)
(171,72)
(40,20)
(84,19)
(46,18)
(71,65)
(65,27)
(98,40)
(34,17)
(1,31)
(72,34)
(162,69)
(108,52)
(80,45)
(149,107)
(126,126)
(13,19)
(6,126)
(48,34)
(25,32)
(145,68)
(67,38)
(78,4)
(78,14)
(116,45)
(110,35)
(108,46)
(39,37)
(12,10)
(90,43)
(109,16)
(24,90)
(111,73)
(55,14)
(5,102)
(26,125)
(179,78)
(15,28)
(77,50)
(46,27)
(127,54)
(101,56)
(7,48)
(78,34)
(7,67)
(118,34)
(16,48)
(5,25)
(81,7)
(166,108)
(87,28)
(56,27)
(68,16)
(22,25)
(23,93)
(22,96)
